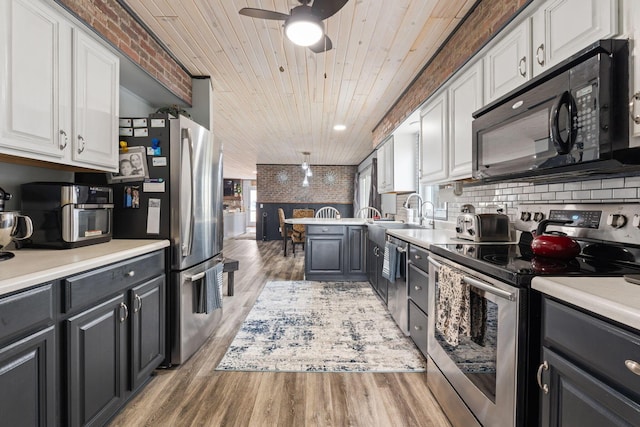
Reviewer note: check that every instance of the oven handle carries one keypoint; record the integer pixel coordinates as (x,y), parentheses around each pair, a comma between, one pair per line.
(435,263)
(487,287)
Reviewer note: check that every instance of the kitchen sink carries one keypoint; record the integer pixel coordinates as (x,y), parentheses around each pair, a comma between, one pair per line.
(377,230)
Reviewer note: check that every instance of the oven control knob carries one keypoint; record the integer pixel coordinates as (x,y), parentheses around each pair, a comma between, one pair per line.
(538,216)
(616,220)
(636,221)
(525,216)
(471,231)
(458,229)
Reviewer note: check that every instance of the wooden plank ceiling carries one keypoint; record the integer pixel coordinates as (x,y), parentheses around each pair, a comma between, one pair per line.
(274,100)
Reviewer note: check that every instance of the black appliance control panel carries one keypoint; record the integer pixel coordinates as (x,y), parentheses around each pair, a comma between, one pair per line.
(612,222)
(581,218)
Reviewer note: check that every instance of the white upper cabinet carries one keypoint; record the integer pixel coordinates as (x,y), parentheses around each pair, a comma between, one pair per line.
(465,97)
(433,140)
(96,90)
(507,64)
(29,79)
(563,27)
(396,164)
(58,89)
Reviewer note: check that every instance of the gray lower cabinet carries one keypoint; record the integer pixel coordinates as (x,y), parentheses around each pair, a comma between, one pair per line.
(28,386)
(113,342)
(96,362)
(335,252)
(418,286)
(588,375)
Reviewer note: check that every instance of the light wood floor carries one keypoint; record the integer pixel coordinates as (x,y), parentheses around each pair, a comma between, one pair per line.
(195,394)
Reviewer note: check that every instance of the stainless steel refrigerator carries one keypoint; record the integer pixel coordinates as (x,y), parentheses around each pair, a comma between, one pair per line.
(181,200)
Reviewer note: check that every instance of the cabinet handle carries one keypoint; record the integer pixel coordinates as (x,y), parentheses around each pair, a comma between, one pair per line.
(376,251)
(417,256)
(522,66)
(63,140)
(82,144)
(632,108)
(540,50)
(138,304)
(124,310)
(417,288)
(543,367)
(633,366)
(417,328)
(130,273)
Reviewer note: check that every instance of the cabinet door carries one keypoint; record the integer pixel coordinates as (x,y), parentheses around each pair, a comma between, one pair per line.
(29,80)
(433,140)
(507,65)
(563,27)
(355,262)
(324,255)
(389,161)
(97,362)
(465,97)
(575,398)
(372,249)
(147,329)
(27,381)
(96,89)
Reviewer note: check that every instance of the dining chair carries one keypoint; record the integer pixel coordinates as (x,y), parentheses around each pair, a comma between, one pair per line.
(368,212)
(327,212)
(298,234)
(285,230)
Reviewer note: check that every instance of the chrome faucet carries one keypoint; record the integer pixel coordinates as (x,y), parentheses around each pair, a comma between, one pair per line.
(406,203)
(432,223)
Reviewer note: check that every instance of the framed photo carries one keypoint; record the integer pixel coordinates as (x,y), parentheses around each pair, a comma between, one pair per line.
(132,166)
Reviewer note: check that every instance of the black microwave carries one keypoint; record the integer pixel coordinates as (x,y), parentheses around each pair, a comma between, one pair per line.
(569,122)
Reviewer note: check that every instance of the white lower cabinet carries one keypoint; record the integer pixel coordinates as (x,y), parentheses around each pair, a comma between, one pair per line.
(58,89)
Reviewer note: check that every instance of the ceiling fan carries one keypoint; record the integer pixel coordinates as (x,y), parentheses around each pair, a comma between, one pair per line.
(303,25)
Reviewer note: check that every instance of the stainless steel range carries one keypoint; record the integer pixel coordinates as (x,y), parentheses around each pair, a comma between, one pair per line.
(483,340)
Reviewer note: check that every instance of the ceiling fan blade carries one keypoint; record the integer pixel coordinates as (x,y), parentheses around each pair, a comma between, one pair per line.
(326,8)
(262,14)
(322,46)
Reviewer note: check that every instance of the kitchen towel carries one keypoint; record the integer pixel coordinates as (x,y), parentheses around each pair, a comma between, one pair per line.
(208,290)
(390,262)
(452,317)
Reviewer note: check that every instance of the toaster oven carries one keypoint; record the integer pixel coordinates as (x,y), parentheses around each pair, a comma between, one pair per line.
(67,215)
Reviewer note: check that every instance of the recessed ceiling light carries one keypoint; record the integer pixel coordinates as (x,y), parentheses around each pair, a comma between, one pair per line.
(339,127)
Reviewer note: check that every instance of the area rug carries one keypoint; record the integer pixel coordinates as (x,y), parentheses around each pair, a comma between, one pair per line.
(304,326)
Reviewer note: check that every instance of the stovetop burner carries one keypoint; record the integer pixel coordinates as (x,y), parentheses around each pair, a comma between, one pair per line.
(517,264)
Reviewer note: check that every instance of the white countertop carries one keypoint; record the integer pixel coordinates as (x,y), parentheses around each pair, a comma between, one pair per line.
(327,221)
(31,267)
(425,237)
(610,297)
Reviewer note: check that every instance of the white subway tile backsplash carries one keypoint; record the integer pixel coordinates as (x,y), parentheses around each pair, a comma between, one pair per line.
(613,183)
(541,188)
(556,187)
(571,186)
(564,195)
(592,185)
(580,195)
(625,193)
(632,181)
(601,194)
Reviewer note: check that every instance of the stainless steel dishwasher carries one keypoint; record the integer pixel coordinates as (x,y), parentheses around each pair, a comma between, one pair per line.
(397,302)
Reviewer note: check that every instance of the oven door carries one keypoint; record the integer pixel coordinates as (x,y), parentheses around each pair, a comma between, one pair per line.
(474,339)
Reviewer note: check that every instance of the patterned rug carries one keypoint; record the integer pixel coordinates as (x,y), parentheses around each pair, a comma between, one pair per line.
(305,326)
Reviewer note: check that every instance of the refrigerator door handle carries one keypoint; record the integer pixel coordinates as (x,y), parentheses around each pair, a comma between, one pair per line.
(187,239)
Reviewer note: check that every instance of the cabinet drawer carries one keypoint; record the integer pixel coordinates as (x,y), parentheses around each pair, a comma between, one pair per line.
(418,286)
(90,287)
(419,257)
(325,229)
(597,346)
(418,327)
(28,308)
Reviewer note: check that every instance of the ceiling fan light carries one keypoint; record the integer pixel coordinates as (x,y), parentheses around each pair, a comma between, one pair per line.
(304,29)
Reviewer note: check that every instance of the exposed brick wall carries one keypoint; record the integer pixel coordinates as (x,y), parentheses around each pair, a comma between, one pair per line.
(115,24)
(485,21)
(271,190)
